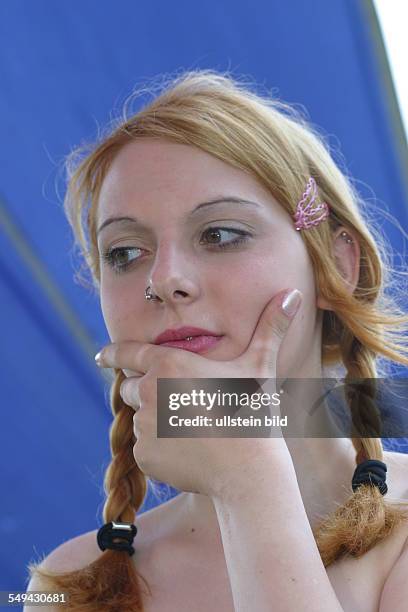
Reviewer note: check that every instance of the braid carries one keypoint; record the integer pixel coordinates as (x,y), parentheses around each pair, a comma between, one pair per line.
(360,365)
(111,582)
(124,484)
(366,518)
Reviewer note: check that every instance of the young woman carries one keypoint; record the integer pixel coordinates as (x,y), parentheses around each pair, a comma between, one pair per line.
(205,209)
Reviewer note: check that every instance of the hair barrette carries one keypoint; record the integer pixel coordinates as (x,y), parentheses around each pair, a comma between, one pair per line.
(307,209)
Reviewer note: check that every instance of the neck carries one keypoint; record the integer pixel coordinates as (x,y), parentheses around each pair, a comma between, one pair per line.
(323,484)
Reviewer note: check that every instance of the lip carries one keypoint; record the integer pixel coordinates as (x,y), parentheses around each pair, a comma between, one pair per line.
(172,335)
(199,344)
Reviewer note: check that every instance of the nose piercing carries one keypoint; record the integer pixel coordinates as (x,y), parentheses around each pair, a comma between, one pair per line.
(149,295)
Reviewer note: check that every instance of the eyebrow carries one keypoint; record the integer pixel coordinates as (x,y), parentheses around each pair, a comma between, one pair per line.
(222,200)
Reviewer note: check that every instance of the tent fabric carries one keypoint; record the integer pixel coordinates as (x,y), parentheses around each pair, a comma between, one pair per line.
(65,67)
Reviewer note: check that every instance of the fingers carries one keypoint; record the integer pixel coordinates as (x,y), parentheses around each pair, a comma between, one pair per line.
(271,329)
(291,303)
(130,373)
(136,356)
(129,391)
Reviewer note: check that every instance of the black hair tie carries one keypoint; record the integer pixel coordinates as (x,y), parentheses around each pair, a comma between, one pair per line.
(371,471)
(110,531)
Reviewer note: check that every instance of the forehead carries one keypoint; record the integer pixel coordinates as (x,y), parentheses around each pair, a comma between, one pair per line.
(154,172)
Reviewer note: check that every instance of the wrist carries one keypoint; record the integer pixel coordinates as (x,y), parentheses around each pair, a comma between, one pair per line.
(268,466)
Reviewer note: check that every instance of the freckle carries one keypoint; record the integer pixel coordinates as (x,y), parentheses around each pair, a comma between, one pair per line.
(192,529)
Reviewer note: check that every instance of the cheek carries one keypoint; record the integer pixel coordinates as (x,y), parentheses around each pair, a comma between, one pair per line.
(246,291)
(121,308)
(242,294)
(255,282)
(110,312)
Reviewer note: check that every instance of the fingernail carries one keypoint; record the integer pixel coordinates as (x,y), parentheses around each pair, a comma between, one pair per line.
(291,302)
(98,359)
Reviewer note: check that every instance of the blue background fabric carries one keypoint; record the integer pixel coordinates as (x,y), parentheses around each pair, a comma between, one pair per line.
(65,68)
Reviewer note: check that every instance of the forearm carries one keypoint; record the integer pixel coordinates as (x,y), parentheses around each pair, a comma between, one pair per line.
(272,558)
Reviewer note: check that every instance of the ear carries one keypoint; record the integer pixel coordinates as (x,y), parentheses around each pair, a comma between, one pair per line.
(348,261)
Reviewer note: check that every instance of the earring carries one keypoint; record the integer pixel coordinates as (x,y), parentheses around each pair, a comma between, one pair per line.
(347,237)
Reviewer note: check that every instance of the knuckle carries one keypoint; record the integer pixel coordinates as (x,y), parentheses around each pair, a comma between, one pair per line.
(129,391)
(170,361)
(266,364)
(123,391)
(143,391)
(258,346)
(143,352)
(264,367)
(136,454)
(141,457)
(114,352)
(280,328)
(140,460)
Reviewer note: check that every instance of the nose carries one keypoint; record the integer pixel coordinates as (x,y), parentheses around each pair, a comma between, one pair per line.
(172,279)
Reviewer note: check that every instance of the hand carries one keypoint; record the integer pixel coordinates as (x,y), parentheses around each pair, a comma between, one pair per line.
(199,465)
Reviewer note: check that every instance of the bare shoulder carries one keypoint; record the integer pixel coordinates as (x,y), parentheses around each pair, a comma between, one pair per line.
(80,551)
(397,466)
(397,481)
(71,555)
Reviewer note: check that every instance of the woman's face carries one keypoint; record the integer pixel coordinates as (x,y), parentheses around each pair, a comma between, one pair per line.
(224,290)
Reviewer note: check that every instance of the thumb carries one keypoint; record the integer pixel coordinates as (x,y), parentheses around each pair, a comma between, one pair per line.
(272,327)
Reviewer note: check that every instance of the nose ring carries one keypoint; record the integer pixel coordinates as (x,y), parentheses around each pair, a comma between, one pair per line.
(149,295)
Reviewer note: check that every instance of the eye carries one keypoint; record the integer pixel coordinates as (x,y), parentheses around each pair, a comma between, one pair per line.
(117,258)
(216,231)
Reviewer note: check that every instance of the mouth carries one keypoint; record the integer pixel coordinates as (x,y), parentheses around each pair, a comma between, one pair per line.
(183,333)
(195,344)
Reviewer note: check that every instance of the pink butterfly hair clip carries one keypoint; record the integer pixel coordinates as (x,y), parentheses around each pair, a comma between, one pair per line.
(307,209)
